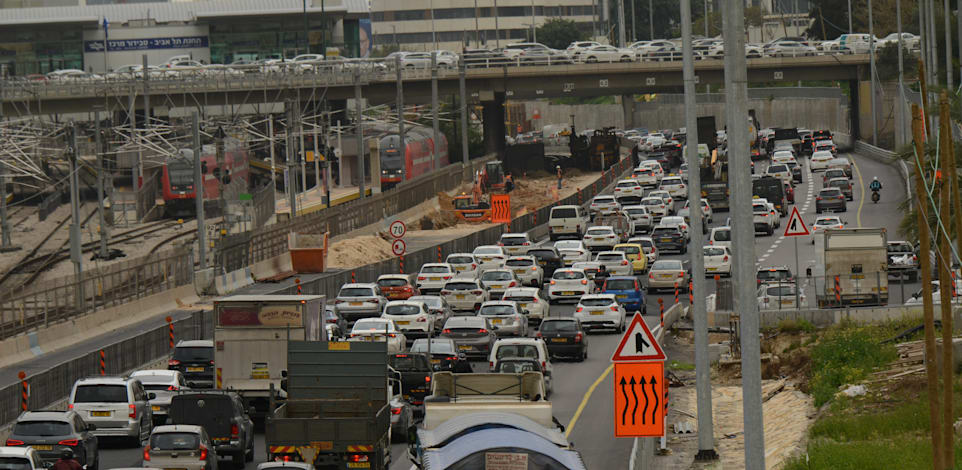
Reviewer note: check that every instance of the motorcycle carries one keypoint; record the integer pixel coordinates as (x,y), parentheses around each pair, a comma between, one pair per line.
(875,196)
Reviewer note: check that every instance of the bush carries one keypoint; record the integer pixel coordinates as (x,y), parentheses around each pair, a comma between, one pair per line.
(845,355)
(795,326)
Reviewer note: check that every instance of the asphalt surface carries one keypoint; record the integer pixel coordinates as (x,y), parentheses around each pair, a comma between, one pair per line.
(582,398)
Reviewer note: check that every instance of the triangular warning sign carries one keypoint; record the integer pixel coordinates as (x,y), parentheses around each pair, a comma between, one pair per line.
(638,344)
(796,227)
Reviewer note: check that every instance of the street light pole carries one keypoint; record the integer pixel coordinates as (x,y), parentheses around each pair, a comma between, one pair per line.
(634,30)
(534,28)
(307,40)
(849,16)
(651,21)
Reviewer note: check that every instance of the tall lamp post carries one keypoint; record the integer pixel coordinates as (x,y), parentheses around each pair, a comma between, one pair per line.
(307,40)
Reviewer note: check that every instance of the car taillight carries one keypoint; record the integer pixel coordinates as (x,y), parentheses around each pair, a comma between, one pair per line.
(512,284)
(422,319)
(353,335)
(234,431)
(544,365)
(474,266)
(69,442)
(725,258)
(552,282)
(338,301)
(357,458)
(445,292)
(578,227)
(421,278)
(578,337)
(392,335)
(584,282)
(624,262)
(203,453)
(14,442)
(534,268)
(477,292)
(818,198)
(146,454)
(427,379)
(395,411)
(491,364)
(173,362)
(651,276)
(133,411)
(173,388)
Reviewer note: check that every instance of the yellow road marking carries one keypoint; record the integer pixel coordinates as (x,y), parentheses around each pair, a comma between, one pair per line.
(584,400)
(861,190)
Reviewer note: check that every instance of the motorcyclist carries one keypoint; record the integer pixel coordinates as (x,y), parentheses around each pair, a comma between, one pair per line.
(875,185)
(66,461)
(600,277)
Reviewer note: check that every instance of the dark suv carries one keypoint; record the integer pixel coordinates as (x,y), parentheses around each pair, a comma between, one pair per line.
(830,199)
(669,239)
(549,258)
(51,432)
(194,359)
(223,417)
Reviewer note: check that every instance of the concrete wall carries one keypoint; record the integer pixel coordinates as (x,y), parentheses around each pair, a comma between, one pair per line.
(813,108)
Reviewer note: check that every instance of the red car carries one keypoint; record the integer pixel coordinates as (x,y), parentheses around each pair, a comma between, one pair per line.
(397,286)
(789,193)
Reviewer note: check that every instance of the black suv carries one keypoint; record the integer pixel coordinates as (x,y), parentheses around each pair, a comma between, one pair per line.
(549,258)
(223,417)
(52,432)
(669,239)
(194,359)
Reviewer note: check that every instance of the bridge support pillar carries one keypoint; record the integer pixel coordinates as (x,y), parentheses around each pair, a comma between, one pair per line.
(853,110)
(493,116)
(628,110)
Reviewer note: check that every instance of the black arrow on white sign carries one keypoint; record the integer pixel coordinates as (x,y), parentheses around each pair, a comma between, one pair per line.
(641,343)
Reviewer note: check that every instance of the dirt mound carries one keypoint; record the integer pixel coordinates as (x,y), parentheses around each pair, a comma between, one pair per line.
(435,220)
(358,251)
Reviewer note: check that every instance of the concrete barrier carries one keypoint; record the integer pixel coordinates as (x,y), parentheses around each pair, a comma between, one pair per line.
(271,266)
(65,334)
(227,283)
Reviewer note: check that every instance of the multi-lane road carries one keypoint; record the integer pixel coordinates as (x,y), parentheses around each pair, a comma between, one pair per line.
(582,397)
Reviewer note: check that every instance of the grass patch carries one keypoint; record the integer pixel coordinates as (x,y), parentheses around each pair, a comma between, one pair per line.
(845,355)
(675,365)
(908,418)
(796,326)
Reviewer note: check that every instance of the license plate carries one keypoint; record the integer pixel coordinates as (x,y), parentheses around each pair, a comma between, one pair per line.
(435,278)
(496,321)
(519,271)
(485,260)
(357,304)
(101,414)
(568,293)
(464,348)
(406,397)
(621,297)
(523,305)
(497,286)
(195,369)
(667,240)
(460,296)
(597,312)
(43,447)
(664,276)
(559,340)
(155,408)
(708,268)
(359,465)
(370,339)
(402,322)
(435,361)
(599,239)
(787,301)
(456,268)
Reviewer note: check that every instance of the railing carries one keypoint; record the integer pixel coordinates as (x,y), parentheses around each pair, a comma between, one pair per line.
(63,298)
(263,202)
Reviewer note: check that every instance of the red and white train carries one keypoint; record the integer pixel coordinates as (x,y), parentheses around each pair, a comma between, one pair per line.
(418,157)
(177,176)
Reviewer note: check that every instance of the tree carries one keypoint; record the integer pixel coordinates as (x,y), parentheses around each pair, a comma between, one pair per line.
(558,33)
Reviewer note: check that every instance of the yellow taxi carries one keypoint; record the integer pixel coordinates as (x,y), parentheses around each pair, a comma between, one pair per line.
(635,254)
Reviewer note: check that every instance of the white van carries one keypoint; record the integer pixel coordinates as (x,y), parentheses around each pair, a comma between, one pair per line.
(530,348)
(720,236)
(567,221)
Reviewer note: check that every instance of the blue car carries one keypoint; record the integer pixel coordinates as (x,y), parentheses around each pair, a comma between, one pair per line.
(627,291)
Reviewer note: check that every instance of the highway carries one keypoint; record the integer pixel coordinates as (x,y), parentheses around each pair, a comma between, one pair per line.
(582,391)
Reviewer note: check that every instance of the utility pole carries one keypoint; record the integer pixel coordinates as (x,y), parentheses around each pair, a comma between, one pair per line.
(743,232)
(651,21)
(849,16)
(706,18)
(621,22)
(946,13)
(945,262)
(464,115)
(359,129)
(199,191)
(634,29)
(934,50)
(434,32)
(291,164)
(6,245)
(534,27)
(401,148)
(706,441)
(435,148)
(221,173)
(871,56)
(900,128)
(104,231)
(270,137)
(76,254)
(477,27)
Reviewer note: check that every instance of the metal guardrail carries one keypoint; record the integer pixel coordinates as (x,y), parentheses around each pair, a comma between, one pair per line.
(238,251)
(64,298)
(264,201)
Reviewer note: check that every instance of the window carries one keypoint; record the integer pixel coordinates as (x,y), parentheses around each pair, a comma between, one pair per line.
(559,326)
(194,354)
(392,282)
(356,292)
(174,441)
(15,463)
(596,302)
(101,394)
(620,284)
(42,428)
(402,310)
(496,310)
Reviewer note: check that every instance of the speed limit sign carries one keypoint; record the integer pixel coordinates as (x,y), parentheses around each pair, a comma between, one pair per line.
(398,229)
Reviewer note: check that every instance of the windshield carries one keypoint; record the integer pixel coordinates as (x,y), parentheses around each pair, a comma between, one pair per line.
(15,463)
(460,286)
(604,200)
(513,241)
(372,324)
(631,250)
(562,275)
(100,394)
(517,350)
(402,310)
(191,354)
(714,251)
(773,275)
(356,292)
(519,298)
(637,211)
(722,236)
(496,276)
(563,213)
(519,262)
(666,265)
(596,302)
(664,231)
(408,363)
(900,248)
(620,284)
(555,326)
(777,168)
(460,259)
(487,250)
(496,310)
(436,269)
(392,282)
(517,367)
(599,231)
(42,428)
(437,347)
(611,257)
(174,441)
(781,291)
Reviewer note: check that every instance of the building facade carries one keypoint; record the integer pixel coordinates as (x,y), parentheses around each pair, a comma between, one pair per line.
(424,25)
(37,40)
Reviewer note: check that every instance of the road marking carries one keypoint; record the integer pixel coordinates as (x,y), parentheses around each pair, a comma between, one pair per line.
(584,400)
(861,190)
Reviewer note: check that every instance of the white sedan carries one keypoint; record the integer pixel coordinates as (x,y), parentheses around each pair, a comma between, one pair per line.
(656,206)
(718,260)
(379,329)
(572,251)
(676,222)
(779,296)
(526,269)
(705,209)
(489,256)
(675,186)
(629,188)
(603,53)
(529,298)
(615,262)
(602,237)
(820,160)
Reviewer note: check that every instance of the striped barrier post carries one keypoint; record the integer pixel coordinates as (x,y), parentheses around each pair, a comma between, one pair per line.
(579,196)
(661,312)
(170,331)
(103,363)
(297,282)
(25,390)
(439,254)
(691,294)
(838,292)
(220,378)
(401,262)
(676,292)
(353,278)
(955,288)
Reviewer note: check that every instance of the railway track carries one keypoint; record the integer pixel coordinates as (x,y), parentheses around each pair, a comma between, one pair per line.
(29,255)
